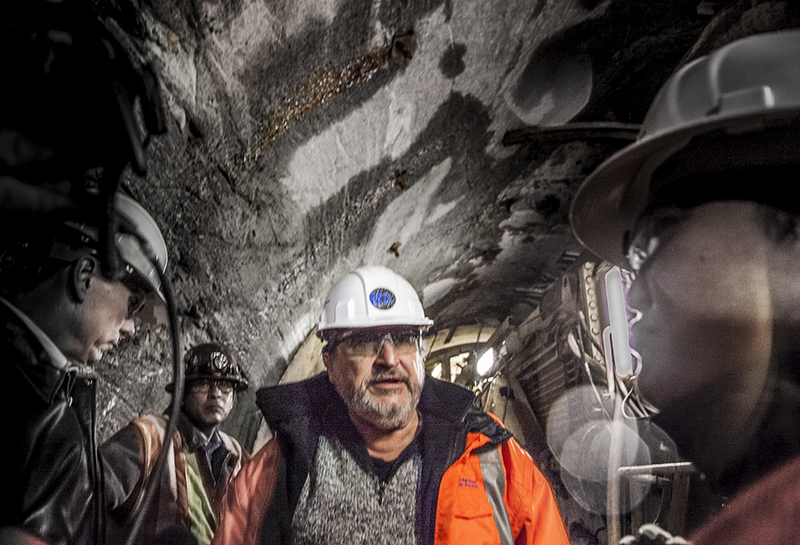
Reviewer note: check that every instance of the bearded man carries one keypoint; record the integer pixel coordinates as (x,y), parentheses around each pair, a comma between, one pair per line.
(374,451)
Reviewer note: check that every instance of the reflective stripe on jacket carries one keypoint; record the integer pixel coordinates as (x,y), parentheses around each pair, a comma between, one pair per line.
(494,494)
(130,457)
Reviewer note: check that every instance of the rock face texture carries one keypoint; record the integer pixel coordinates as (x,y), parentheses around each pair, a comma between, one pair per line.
(441,138)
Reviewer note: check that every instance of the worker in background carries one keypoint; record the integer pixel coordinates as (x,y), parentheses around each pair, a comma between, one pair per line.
(59,314)
(703,208)
(374,451)
(202,461)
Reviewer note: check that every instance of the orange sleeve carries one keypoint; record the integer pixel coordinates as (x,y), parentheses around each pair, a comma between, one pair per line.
(247,498)
(531,503)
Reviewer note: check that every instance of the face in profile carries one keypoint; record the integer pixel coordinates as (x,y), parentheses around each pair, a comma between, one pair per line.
(102,319)
(705,301)
(709,307)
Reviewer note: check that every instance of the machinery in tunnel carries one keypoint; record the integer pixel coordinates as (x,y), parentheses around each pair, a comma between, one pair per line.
(254,247)
(552,381)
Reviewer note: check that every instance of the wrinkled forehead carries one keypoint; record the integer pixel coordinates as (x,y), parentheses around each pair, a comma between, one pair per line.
(736,229)
(719,220)
(715,266)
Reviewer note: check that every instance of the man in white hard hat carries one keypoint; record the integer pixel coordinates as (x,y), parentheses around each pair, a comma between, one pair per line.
(60,313)
(704,210)
(376,452)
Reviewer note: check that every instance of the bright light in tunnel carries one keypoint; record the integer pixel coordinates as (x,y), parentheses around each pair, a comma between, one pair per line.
(620,343)
(437,371)
(486,362)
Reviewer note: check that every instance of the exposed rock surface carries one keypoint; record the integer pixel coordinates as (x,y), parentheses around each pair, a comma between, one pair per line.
(310,137)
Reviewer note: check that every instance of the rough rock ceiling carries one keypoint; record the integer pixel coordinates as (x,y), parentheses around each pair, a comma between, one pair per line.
(442,138)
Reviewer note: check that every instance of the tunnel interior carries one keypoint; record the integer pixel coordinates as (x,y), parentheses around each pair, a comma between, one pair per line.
(443,139)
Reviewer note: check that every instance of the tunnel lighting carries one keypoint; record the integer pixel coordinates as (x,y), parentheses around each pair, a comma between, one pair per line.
(437,371)
(486,362)
(618,328)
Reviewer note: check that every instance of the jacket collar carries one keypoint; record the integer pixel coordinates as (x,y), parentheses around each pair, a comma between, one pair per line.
(55,354)
(193,438)
(32,359)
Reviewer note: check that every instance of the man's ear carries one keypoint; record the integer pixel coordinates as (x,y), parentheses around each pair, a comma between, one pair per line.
(80,276)
(326,358)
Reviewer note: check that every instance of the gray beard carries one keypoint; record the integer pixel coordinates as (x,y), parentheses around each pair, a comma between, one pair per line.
(367,405)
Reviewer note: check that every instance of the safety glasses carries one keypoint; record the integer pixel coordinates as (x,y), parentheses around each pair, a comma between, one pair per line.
(203,386)
(651,231)
(366,343)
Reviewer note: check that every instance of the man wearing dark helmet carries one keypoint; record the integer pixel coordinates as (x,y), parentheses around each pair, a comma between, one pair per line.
(202,461)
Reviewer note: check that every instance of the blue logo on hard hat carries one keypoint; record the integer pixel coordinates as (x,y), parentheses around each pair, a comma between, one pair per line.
(382,298)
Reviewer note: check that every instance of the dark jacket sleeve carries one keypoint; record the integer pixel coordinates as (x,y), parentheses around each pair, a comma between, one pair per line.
(56,499)
(122,460)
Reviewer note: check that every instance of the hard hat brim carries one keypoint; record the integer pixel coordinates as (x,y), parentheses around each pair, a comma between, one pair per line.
(131,252)
(362,324)
(739,93)
(613,197)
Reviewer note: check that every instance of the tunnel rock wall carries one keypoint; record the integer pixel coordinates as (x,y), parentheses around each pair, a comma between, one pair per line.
(310,137)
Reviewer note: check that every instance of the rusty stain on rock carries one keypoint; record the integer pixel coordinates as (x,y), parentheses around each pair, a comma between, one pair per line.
(405,45)
(402,180)
(323,85)
(370,200)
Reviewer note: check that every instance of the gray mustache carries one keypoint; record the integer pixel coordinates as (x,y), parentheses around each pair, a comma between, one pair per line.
(388,374)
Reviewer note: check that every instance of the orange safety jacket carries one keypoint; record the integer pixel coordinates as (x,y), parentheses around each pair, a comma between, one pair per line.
(130,457)
(497,495)
(486,491)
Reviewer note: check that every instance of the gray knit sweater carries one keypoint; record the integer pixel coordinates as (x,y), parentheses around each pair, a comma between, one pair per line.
(342,503)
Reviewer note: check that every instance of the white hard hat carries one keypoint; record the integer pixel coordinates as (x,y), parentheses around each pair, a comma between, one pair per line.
(130,246)
(369,297)
(143,261)
(747,93)
(139,243)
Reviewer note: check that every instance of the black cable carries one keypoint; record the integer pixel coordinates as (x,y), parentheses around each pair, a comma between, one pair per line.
(175,407)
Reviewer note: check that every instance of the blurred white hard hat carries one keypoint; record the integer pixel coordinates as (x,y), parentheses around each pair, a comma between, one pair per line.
(734,110)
